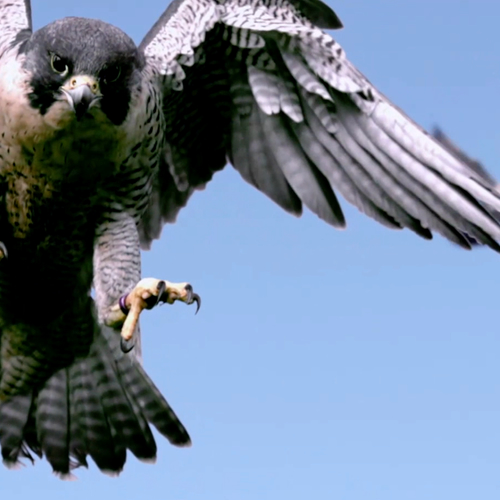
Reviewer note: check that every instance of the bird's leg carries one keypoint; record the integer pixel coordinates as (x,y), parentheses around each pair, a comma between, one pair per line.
(117,269)
(148,293)
(121,295)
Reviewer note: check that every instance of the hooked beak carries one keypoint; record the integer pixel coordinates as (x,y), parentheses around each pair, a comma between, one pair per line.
(82,92)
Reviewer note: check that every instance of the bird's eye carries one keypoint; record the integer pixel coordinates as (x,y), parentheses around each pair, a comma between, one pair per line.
(111,74)
(59,65)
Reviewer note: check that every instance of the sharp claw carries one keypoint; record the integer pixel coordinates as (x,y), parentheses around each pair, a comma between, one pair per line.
(161,290)
(192,297)
(196,298)
(155,299)
(126,346)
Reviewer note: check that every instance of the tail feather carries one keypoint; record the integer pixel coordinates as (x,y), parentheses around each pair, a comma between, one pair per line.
(52,421)
(134,433)
(13,418)
(154,406)
(101,406)
(92,421)
(77,445)
(142,390)
(30,434)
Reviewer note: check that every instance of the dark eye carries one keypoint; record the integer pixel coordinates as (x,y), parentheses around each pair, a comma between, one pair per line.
(111,74)
(59,65)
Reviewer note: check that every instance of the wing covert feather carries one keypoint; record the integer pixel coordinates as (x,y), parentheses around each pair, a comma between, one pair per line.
(15,22)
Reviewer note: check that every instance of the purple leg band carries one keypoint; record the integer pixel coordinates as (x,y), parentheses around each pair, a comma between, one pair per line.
(123,304)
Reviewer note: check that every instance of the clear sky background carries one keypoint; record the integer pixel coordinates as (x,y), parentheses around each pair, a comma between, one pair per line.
(350,365)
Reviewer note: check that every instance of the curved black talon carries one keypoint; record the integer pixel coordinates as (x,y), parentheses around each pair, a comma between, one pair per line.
(193,297)
(155,299)
(126,346)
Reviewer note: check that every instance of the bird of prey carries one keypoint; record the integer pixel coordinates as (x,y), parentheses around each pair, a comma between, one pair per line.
(102,142)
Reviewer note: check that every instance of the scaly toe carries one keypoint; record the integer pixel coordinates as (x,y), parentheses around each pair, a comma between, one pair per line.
(181,291)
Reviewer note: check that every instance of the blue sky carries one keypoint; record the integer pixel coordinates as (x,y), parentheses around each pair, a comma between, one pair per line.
(351,365)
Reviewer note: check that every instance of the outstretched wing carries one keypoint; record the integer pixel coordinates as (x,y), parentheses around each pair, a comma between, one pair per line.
(255,82)
(15,22)
(475,165)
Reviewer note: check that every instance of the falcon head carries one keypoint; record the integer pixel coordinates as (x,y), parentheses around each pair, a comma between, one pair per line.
(88,66)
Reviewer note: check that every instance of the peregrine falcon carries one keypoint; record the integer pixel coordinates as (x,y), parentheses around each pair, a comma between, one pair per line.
(102,142)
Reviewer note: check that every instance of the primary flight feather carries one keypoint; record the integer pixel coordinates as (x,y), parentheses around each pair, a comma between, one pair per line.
(103,142)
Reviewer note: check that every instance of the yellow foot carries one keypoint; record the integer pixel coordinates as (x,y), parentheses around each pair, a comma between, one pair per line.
(148,293)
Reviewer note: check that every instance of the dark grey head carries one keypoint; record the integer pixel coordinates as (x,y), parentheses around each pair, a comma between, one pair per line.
(85,61)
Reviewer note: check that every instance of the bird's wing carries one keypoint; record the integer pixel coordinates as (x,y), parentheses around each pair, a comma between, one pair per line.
(475,165)
(256,83)
(15,22)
